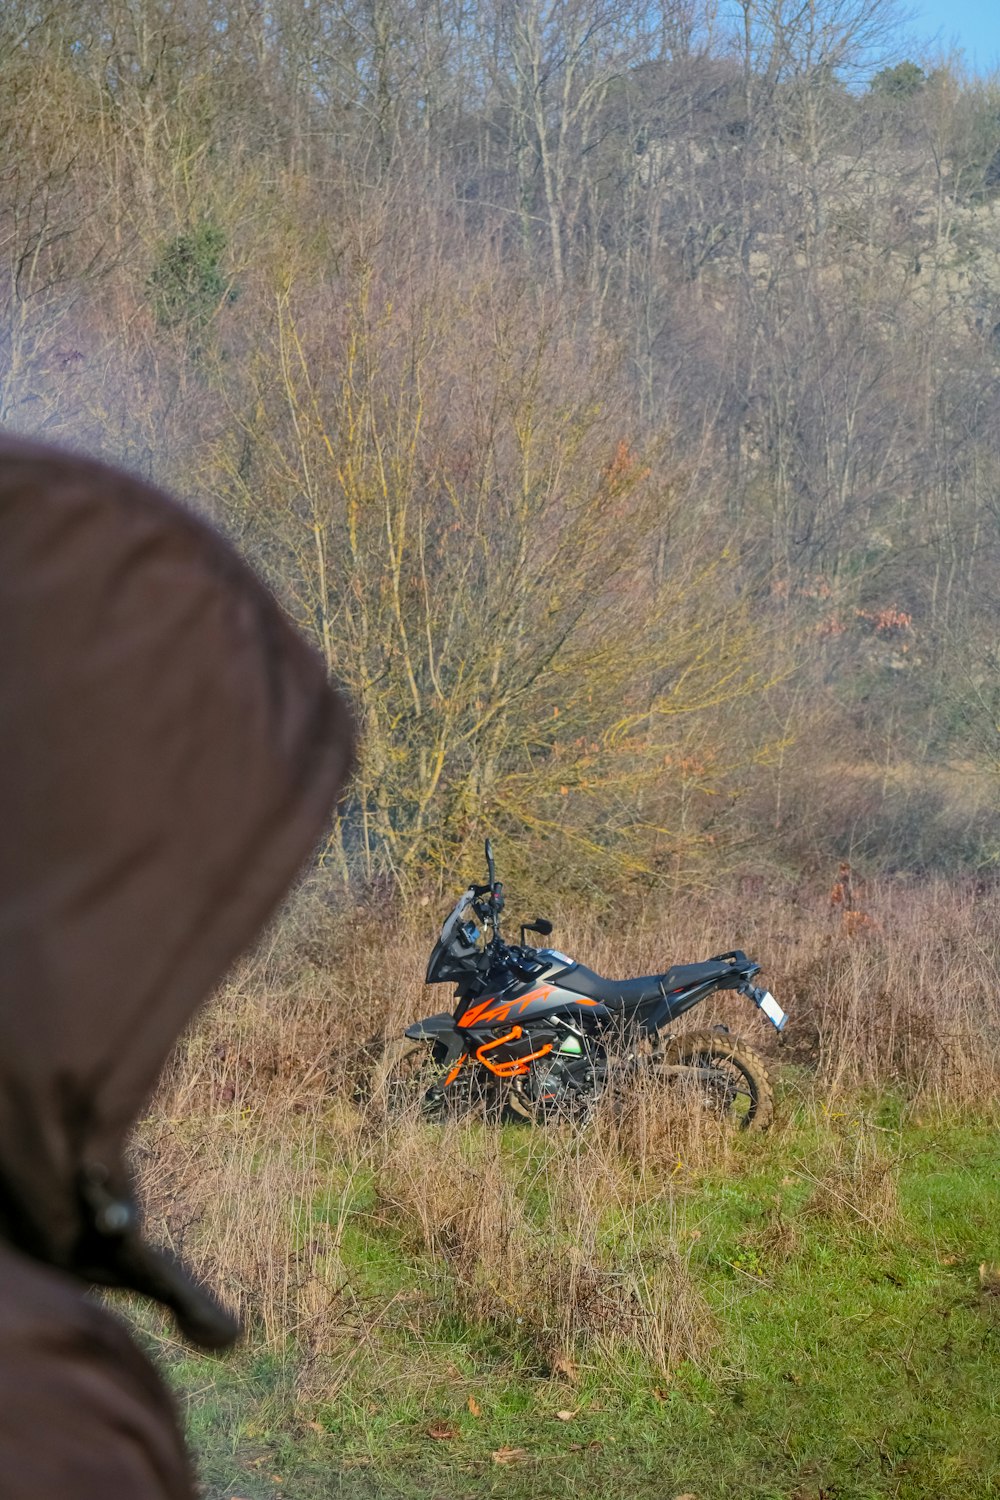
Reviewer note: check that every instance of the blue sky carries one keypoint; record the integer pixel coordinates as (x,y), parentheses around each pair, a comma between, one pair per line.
(972,25)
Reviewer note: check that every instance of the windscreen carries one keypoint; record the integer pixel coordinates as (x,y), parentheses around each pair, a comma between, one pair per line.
(457,946)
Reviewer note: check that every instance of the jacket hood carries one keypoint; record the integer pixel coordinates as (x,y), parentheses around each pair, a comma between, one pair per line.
(171,751)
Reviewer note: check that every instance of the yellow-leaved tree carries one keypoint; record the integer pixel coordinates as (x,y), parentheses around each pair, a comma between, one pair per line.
(536,627)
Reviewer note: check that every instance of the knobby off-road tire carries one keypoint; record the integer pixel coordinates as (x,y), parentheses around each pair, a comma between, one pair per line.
(401,1078)
(408,1079)
(739,1088)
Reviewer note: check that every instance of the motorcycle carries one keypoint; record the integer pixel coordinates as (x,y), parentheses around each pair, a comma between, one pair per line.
(537,1036)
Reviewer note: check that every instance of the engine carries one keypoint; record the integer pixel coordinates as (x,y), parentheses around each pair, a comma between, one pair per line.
(566,1082)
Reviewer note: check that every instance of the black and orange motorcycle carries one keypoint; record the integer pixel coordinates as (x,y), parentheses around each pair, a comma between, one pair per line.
(537,1036)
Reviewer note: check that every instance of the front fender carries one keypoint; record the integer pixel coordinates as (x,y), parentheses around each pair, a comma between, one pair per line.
(432,1027)
(439,1029)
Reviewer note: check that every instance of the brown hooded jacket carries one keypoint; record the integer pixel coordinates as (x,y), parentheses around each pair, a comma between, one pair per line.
(170,753)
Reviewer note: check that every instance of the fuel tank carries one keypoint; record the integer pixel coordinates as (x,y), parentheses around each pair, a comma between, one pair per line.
(528,1002)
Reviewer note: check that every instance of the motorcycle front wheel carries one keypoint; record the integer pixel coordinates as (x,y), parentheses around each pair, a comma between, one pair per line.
(410,1078)
(721,1075)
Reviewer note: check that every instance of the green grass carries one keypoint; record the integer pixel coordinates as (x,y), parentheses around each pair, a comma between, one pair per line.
(855,1356)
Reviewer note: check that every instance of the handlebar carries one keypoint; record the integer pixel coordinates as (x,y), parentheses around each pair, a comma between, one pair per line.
(481,949)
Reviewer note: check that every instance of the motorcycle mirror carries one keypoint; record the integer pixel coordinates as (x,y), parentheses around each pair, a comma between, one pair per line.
(490,866)
(540,924)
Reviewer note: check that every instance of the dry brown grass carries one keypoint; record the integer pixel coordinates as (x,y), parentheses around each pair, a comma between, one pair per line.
(909,1002)
(235,1196)
(548,1238)
(522,1244)
(650,1128)
(859,1185)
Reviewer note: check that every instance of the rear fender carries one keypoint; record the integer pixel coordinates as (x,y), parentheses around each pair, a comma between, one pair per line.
(676,1002)
(674,1005)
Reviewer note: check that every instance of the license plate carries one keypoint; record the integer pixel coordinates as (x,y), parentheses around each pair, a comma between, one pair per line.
(772,1010)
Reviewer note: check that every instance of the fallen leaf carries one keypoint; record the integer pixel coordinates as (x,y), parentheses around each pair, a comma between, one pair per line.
(565,1416)
(989,1279)
(510,1455)
(442,1432)
(474,1407)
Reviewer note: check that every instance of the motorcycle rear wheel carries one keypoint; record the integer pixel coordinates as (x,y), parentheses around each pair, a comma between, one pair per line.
(724,1075)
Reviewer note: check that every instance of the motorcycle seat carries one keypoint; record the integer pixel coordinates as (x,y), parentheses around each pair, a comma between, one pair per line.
(628,992)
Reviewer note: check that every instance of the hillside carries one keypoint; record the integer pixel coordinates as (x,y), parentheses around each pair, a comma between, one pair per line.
(612,396)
